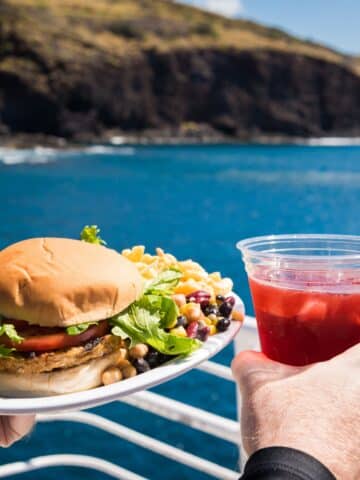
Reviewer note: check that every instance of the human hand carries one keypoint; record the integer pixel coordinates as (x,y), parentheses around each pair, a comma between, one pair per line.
(314,409)
(13,428)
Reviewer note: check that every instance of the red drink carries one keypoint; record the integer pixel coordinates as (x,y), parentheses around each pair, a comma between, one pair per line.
(299,327)
(306,294)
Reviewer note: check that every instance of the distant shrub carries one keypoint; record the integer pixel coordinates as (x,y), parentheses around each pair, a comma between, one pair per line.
(127,30)
(206,29)
(277,34)
(139,28)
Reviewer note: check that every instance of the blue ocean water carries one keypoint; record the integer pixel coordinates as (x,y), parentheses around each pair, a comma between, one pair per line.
(195,201)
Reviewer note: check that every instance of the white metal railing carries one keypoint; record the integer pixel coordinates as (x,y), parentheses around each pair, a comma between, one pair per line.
(159,405)
(193,417)
(146,442)
(83,461)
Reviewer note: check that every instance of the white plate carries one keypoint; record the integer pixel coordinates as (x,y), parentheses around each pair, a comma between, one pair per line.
(109,393)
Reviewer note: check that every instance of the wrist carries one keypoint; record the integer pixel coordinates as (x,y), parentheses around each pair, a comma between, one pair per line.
(282,462)
(334,459)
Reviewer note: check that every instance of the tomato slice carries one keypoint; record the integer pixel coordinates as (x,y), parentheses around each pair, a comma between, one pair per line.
(42,339)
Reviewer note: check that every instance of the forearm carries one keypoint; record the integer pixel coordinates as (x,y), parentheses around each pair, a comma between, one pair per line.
(279,463)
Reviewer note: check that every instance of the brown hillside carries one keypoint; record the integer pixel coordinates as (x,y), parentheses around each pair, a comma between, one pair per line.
(74,66)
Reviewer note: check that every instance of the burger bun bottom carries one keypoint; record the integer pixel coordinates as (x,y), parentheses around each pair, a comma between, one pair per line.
(58,382)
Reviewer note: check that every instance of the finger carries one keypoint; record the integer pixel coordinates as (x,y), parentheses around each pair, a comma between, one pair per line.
(13,428)
(21,425)
(253,369)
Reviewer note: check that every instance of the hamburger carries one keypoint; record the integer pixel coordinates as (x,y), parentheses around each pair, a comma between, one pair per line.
(75,314)
(56,296)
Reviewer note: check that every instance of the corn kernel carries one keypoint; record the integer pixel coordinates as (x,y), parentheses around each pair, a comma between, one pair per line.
(213,318)
(187,287)
(179,332)
(213,330)
(147,258)
(194,276)
(237,316)
(215,276)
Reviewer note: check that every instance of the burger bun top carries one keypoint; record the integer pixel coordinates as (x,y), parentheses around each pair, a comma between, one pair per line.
(59,282)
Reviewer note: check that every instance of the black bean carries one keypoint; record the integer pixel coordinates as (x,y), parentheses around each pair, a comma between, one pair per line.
(164,358)
(225,309)
(153,358)
(223,324)
(211,309)
(141,365)
(220,299)
(181,321)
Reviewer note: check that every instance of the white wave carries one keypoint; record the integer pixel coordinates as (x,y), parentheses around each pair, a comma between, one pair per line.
(310,177)
(103,150)
(42,155)
(331,142)
(37,155)
(117,140)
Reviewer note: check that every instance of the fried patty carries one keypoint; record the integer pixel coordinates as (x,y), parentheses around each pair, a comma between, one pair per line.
(65,358)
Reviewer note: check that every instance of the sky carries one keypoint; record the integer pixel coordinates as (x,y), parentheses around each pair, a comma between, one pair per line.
(335,23)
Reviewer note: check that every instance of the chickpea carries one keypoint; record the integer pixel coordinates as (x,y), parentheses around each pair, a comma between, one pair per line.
(179,299)
(192,312)
(120,357)
(111,375)
(122,363)
(123,353)
(129,371)
(139,351)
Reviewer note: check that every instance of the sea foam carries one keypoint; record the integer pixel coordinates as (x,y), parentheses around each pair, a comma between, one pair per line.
(42,155)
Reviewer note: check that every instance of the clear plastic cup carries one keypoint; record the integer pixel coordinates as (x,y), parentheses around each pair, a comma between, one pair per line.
(306,294)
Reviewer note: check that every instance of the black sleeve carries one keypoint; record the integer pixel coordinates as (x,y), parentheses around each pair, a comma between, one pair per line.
(280,463)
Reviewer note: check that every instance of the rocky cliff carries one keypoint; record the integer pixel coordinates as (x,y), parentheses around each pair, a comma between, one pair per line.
(73,70)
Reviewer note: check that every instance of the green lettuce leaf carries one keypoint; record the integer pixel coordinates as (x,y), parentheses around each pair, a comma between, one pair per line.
(140,326)
(165,283)
(90,234)
(165,307)
(81,328)
(9,330)
(5,351)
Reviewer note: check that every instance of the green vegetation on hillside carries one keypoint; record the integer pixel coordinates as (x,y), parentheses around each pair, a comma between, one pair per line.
(71,30)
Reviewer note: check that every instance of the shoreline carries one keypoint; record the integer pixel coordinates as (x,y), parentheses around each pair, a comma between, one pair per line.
(30,141)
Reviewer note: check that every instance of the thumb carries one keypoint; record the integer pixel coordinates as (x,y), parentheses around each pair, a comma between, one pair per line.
(253,369)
